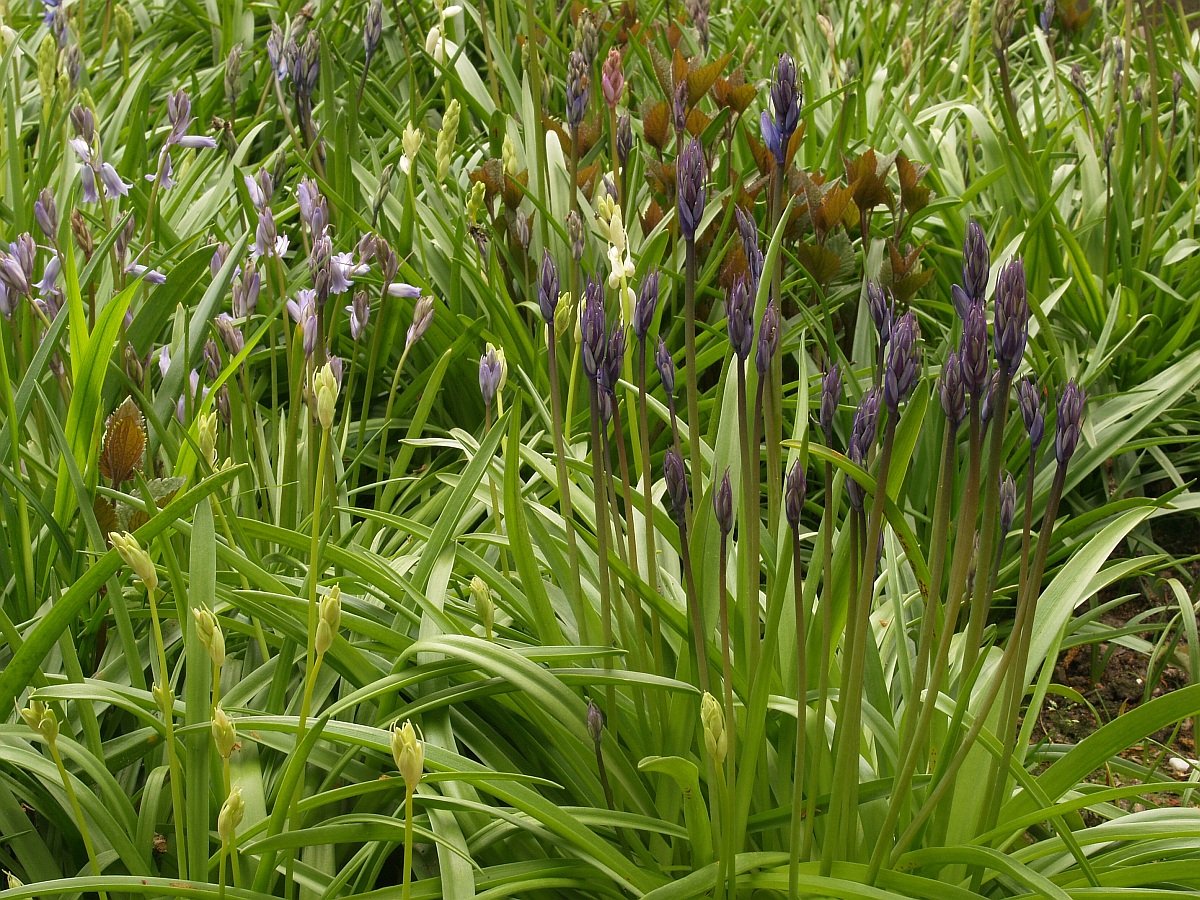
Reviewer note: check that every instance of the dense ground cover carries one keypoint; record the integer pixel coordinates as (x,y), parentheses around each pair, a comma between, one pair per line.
(646,449)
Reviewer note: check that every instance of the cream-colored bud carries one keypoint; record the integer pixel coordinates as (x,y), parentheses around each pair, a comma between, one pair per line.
(712,716)
(330,617)
(232,811)
(325,388)
(508,156)
(564,316)
(135,557)
(409,753)
(411,141)
(41,718)
(207,426)
(224,733)
(474,202)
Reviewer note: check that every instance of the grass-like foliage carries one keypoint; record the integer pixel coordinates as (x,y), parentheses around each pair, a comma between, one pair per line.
(595,449)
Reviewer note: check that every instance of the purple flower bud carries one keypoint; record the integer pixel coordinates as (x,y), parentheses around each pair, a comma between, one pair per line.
(231,335)
(748,231)
(786,98)
(196,142)
(1011,324)
(212,359)
(490,371)
(680,104)
(84,123)
(646,306)
(7,306)
(1070,421)
(973,351)
(953,392)
(666,370)
(595,721)
(624,139)
(723,505)
(520,227)
(677,488)
(14,276)
(403,291)
(246,287)
(220,254)
(882,309)
(740,310)
(151,276)
(1030,401)
(267,241)
(592,329)
(45,211)
(548,289)
(904,361)
(576,234)
(308,199)
(990,398)
(578,84)
(768,338)
(1046,16)
(794,490)
(1008,502)
(612,79)
(862,439)
(691,173)
(360,314)
(373,28)
(614,358)
(976,261)
(389,263)
(831,396)
(276,53)
(422,317)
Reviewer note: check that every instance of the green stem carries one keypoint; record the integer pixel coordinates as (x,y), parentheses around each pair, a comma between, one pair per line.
(408,843)
(176,770)
(800,830)
(564,487)
(693,400)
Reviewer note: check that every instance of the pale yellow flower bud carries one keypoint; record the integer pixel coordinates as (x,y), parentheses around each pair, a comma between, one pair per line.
(325,389)
(207,425)
(232,812)
(330,617)
(211,636)
(409,753)
(411,141)
(135,557)
(224,733)
(446,139)
(485,607)
(41,718)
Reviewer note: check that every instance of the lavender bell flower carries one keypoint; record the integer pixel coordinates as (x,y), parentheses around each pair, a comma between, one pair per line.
(360,314)
(647,304)
(831,396)
(179,112)
(114,186)
(303,311)
(781,120)
(592,330)
(314,210)
(952,392)
(691,173)
(973,351)
(267,241)
(489,376)
(548,289)
(723,504)
(976,260)
(677,489)
(794,489)
(49,282)
(768,338)
(1008,502)
(904,361)
(151,276)
(343,271)
(422,318)
(1011,324)
(1070,422)
(1030,402)
(666,370)
(740,322)
(373,29)
(403,291)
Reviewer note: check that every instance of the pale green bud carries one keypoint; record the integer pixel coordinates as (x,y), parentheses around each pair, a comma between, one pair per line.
(135,557)
(41,718)
(207,425)
(232,811)
(508,156)
(474,202)
(712,716)
(211,636)
(13,881)
(224,733)
(165,698)
(564,316)
(409,753)
(485,608)
(123,25)
(330,617)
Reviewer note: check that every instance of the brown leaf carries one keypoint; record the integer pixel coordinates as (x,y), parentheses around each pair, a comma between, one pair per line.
(124,443)
(831,211)
(868,182)
(651,217)
(913,196)
(514,189)
(697,121)
(701,79)
(491,176)
(819,261)
(662,71)
(656,122)
(106,515)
